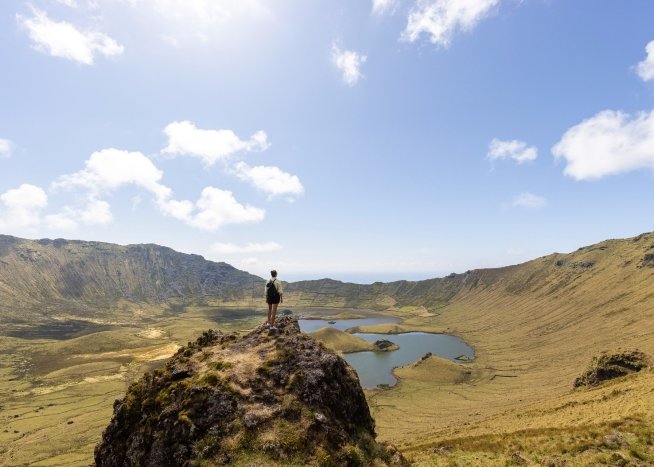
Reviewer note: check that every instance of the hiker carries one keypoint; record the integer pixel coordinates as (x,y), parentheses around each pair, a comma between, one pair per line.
(274,297)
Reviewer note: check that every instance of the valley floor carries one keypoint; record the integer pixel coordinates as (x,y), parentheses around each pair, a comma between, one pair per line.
(56,397)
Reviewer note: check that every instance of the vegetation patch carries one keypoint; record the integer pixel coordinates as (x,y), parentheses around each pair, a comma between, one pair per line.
(612,365)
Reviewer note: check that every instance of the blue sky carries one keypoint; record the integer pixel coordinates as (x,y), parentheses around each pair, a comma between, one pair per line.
(367,140)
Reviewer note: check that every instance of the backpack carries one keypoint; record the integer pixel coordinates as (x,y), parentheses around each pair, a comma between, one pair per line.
(272,295)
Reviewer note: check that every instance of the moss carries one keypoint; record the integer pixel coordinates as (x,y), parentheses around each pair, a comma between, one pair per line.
(184,418)
(266,367)
(322,458)
(207,446)
(289,437)
(163,398)
(211,379)
(220,365)
(352,456)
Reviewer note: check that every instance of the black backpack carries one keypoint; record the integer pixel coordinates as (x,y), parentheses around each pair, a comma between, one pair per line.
(272,295)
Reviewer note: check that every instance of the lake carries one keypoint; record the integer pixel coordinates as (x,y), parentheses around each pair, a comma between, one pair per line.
(376,368)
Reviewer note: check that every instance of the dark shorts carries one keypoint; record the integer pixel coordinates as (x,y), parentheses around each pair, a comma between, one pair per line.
(273,302)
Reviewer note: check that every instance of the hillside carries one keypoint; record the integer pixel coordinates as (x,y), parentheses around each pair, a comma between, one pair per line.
(535,327)
(43,278)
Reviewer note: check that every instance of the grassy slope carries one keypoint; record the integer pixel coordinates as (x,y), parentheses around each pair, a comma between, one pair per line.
(341,341)
(534,327)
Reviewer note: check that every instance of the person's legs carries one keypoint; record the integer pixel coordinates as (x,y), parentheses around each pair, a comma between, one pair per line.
(274,314)
(270,307)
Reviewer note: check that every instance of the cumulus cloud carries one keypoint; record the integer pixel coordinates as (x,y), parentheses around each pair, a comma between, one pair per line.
(110,169)
(269,179)
(218,207)
(95,212)
(61,39)
(61,221)
(22,207)
(349,63)
(513,149)
(527,201)
(608,143)
(441,19)
(645,69)
(211,146)
(381,7)
(249,248)
(6,148)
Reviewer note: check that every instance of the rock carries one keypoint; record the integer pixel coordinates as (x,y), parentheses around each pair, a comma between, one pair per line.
(608,366)
(518,458)
(253,399)
(442,450)
(615,440)
(180,373)
(618,460)
(384,345)
(647,261)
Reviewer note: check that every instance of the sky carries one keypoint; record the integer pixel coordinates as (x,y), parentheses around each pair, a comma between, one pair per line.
(359,140)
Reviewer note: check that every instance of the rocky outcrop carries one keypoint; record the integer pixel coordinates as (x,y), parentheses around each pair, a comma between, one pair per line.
(612,365)
(384,345)
(267,398)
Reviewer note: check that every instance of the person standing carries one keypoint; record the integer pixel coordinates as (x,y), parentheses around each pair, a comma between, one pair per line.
(274,296)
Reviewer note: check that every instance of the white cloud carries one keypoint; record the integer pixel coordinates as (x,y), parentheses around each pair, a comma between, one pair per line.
(22,207)
(218,207)
(6,148)
(95,212)
(514,149)
(61,221)
(210,146)
(270,180)
(527,201)
(61,39)
(645,69)
(381,7)
(608,143)
(441,19)
(349,63)
(249,248)
(111,169)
